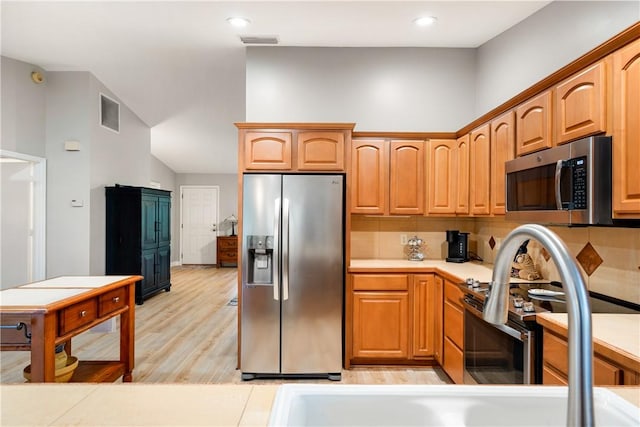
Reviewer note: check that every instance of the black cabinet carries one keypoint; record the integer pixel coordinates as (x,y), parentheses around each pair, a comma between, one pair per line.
(138,236)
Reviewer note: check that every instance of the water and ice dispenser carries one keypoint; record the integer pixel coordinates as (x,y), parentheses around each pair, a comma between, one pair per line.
(260,260)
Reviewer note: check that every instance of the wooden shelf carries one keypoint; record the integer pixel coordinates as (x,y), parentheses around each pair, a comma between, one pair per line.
(97,371)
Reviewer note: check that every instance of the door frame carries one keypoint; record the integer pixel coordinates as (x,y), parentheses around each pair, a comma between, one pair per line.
(39,211)
(182,187)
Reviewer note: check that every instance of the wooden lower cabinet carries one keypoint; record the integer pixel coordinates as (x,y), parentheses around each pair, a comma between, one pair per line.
(380,325)
(394,318)
(555,365)
(453,330)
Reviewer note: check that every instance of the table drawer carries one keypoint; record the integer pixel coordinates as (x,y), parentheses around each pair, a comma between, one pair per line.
(78,315)
(112,301)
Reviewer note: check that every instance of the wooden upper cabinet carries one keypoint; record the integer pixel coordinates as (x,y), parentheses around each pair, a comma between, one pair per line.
(626,131)
(369,176)
(580,104)
(267,150)
(534,124)
(503,139)
(462,175)
(479,170)
(406,177)
(321,151)
(442,176)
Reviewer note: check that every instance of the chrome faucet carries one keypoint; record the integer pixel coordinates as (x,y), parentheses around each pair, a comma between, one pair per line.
(580,401)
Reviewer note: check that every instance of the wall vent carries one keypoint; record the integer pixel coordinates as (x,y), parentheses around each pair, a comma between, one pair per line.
(109,113)
(259,39)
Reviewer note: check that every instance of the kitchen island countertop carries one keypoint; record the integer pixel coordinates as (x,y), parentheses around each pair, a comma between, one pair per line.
(156,404)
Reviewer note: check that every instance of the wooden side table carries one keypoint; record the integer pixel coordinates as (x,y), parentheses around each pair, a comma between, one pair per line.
(227,251)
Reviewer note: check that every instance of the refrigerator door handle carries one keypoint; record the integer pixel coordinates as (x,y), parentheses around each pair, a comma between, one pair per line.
(276,251)
(285,249)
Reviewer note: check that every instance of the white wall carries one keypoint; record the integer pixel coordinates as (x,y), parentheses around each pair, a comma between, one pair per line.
(162,174)
(385,89)
(116,158)
(23,108)
(68,173)
(15,198)
(546,41)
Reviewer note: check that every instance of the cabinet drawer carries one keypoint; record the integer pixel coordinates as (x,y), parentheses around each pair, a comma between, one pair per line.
(228,243)
(78,315)
(228,256)
(112,301)
(453,293)
(380,282)
(453,324)
(555,352)
(453,362)
(551,377)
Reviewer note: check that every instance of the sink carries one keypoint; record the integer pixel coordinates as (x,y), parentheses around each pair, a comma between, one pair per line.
(436,405)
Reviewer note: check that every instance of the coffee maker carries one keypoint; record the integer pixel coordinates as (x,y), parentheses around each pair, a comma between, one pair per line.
(458,244)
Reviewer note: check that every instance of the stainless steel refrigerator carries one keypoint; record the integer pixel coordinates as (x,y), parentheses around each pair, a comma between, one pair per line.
(292,275)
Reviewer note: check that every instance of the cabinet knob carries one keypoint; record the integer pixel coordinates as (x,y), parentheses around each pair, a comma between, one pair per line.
(83,313)
(116,299)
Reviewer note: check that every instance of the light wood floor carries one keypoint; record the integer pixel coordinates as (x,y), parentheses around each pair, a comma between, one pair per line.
(189,335)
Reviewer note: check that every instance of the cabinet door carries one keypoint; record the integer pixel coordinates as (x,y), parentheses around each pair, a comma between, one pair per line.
(503,139)
(369,177)
(149,222)
(442,176)
(580,104)
(321,151)
(406,183)
(439,323)
(267,151)
(462,175)
(533,124)
(626,131)
(380,325)
(453,361)
(164,221)
(148,271)
(425,316)
(479,171)
(163,266)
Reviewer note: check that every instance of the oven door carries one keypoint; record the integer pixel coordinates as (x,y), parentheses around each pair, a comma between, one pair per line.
(496,354)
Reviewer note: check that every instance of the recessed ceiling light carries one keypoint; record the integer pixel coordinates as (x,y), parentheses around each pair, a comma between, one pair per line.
(425,21)
(238,21)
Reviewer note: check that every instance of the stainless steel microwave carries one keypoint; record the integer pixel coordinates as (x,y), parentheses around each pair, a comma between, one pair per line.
(569,184)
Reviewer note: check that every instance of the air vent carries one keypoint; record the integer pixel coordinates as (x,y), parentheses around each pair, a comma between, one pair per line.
(259,39)
(109,113)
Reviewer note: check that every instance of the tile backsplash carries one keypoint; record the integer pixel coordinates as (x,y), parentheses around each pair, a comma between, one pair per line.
(618,274)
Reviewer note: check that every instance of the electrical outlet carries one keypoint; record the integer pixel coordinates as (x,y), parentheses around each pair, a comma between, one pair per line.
(403,239)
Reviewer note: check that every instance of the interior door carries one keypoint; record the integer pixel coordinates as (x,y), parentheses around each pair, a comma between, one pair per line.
(199,215)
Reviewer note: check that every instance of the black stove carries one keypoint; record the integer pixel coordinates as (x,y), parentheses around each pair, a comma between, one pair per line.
(512,353)
(543,297)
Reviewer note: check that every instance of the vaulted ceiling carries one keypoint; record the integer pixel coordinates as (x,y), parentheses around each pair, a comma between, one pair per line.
(180,66)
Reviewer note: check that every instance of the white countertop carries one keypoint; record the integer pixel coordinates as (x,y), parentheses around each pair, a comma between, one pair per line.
(36,297)
(75,282)
(618,331)
(133,404)
(464,270)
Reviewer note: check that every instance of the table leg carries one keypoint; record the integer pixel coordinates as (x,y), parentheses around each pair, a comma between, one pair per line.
(127,336)
(43,337)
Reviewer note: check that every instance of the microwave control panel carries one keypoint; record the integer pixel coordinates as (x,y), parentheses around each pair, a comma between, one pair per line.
(579,175)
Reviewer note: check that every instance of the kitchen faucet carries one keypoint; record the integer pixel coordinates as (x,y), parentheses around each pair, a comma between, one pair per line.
(580,401)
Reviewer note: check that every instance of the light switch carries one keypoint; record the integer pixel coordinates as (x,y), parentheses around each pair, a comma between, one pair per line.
(75,203)
(72,146)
